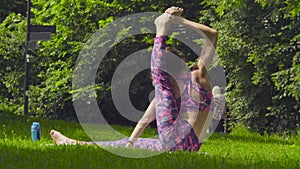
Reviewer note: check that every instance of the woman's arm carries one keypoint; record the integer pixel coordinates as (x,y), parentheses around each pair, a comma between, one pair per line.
(210,45)
(147,118)
(210,34)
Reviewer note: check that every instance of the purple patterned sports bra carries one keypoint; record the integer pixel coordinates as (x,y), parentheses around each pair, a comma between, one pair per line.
(190,104)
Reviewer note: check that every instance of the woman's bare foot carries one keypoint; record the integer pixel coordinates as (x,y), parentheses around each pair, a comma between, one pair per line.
(59,139)
(162,22)
(174,11)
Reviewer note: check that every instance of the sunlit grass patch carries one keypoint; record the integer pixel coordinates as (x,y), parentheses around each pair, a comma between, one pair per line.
(239,149)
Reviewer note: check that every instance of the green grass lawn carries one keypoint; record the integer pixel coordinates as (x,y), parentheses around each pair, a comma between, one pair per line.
(239,149)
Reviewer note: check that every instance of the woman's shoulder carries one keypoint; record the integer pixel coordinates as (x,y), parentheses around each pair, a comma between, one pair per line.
(199,78)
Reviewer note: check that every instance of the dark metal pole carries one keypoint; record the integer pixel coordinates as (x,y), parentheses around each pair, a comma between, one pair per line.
(27,61)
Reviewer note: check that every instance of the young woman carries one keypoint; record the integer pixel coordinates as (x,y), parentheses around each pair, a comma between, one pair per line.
(181,103)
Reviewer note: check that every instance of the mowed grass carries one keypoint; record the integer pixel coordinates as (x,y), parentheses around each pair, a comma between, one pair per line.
(239,149)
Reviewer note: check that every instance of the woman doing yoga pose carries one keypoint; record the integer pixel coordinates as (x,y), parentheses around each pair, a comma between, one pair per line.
(181,104)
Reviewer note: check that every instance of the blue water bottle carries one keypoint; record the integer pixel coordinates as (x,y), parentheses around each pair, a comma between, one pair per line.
(35,131)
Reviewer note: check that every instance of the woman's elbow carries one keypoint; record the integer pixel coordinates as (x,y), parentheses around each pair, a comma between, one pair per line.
(214,34)
(214,37)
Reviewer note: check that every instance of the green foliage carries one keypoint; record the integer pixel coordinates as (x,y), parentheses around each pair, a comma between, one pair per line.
(13,38)
(53,62)
(12,6)
(75,22)
(52,98)
(259,47)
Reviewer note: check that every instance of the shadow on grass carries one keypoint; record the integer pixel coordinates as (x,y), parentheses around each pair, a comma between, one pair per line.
(252,138)
(86,157)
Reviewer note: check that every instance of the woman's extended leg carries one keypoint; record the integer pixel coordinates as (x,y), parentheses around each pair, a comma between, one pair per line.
(141,143)
(174,133)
